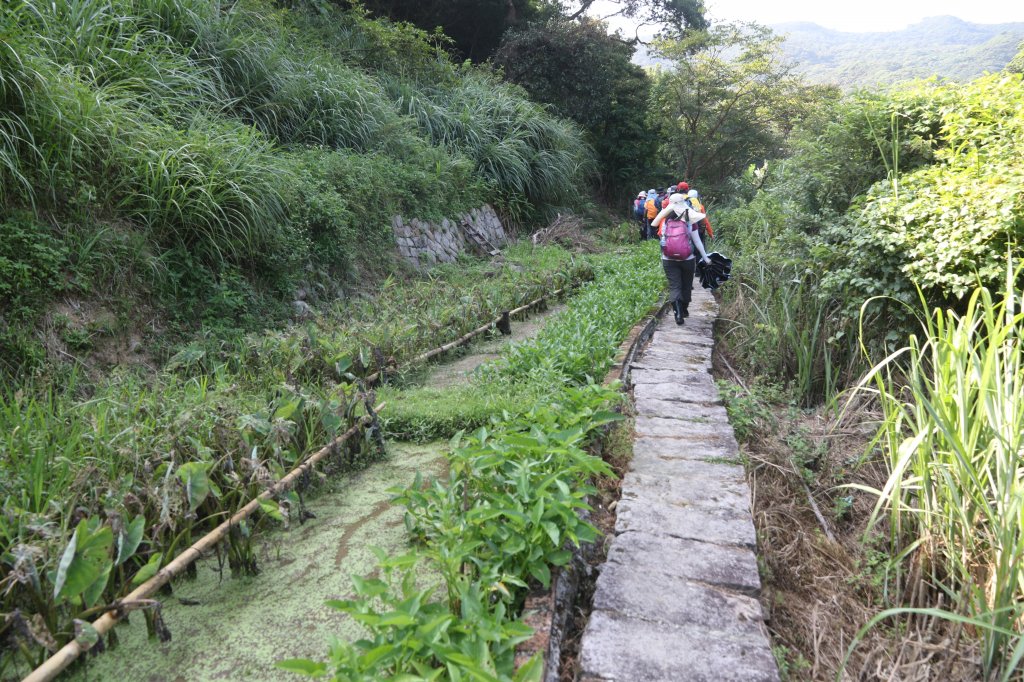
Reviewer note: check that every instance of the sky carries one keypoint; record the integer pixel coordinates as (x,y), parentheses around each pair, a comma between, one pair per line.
(862,15)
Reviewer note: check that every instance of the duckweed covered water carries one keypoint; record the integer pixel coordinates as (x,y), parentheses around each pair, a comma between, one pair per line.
(237,628)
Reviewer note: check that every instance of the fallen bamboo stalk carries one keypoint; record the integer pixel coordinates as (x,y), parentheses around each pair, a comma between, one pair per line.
(817,511)
(423,357)
(56,663)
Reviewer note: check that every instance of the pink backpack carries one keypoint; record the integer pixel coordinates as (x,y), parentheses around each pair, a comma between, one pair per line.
(676,239)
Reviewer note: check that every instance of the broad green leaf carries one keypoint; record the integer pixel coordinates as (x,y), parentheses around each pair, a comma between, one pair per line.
(302,666)
(89,558)
(197,485)
(552,530)
(65,564)
(271,509)
(531,671)
(129,538)
(288,409)
(91,595)
(85,634)
(542,573)
(149,570)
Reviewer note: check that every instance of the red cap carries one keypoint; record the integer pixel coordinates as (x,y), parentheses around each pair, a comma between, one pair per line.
(682,187)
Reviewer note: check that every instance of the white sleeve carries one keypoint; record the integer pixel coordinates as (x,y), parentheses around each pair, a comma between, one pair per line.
(695,236)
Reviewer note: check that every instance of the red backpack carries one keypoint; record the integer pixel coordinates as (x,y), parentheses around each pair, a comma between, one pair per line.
(676,238)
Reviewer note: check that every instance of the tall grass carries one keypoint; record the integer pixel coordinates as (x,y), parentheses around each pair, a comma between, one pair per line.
(515,145)
(779,324)
(953,435)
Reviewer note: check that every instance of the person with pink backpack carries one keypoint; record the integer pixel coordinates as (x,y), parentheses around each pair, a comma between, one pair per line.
(677,228)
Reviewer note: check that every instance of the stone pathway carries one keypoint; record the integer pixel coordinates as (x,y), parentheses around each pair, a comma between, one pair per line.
(676,599)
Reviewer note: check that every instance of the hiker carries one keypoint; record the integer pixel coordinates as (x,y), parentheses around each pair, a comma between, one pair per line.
(651,208)
(665,196)
(677,227)
(704,226)
(639,214)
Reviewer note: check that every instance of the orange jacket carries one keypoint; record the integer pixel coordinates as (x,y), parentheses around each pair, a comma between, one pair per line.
(652,208)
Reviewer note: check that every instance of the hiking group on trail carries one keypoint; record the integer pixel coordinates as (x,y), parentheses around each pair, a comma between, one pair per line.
(679,220)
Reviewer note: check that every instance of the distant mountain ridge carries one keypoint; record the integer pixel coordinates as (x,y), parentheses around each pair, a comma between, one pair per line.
(944,46)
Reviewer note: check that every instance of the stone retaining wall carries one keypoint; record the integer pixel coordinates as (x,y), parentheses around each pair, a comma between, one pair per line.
(423,244)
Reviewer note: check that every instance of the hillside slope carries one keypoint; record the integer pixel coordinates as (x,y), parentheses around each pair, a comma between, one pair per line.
(944,46)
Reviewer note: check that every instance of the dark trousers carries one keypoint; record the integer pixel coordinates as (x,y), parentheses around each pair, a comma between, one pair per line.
(680,280)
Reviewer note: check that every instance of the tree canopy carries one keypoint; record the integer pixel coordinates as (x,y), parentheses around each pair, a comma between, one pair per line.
(724,102)
(586,75)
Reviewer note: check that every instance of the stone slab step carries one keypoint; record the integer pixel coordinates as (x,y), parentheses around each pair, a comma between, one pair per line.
(730,568)
(674,600)
(724,525)
(679,392)
(620,649)
(669,409)
(680,449)
(696,484)
(701,430)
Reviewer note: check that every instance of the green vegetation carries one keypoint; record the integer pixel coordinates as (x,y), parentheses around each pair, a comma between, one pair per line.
(587,76)
(730,95)
(887,201)
(158,460)
(952,431)
(209,159)
(509,509)
(576,344)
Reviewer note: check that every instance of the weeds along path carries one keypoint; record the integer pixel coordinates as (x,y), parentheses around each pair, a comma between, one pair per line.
(226,628)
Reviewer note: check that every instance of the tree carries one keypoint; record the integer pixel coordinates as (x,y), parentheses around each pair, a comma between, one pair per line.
(674,16)
(724,101)
(475,26)
(586,75)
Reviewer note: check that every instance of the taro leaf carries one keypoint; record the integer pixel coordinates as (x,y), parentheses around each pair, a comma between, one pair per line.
(92,594)
(288,409)
(89,558)
(271,509)
(342,365)
(65,564)
(197,485)
(149,570)
(331,423)
(85,634)
(129,538)
(302,666)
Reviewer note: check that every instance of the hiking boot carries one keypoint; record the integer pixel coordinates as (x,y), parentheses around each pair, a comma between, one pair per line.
(677,308)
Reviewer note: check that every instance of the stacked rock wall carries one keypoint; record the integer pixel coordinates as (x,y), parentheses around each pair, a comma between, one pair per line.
(423,244)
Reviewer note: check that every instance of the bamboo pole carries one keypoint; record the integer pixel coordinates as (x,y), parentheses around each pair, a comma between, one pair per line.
(466,338)
(56,663)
